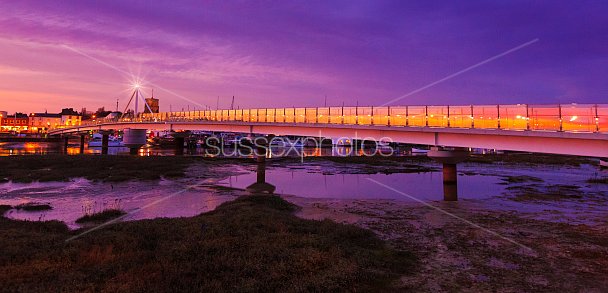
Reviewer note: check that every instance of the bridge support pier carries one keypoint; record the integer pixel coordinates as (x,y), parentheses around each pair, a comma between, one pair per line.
(134,139)
(105,139)
(449,158)
(261,186)
(82,144)
(66,142)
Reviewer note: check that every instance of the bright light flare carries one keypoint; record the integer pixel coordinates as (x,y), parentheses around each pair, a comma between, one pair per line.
(136,83)
(573,118)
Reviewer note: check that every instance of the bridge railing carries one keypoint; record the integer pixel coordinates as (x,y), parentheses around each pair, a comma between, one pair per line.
(569,118)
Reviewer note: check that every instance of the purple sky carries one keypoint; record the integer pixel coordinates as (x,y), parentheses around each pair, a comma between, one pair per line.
(273,54)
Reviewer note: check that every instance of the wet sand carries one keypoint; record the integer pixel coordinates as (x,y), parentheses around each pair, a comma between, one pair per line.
(458,256)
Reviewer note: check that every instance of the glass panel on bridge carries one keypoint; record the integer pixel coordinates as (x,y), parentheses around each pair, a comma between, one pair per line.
(253,115)
(280,115)
(290,115)
(335,115)
(270,115)
(513,117)
(416,116)
(323,115)
(311,115)
(398,116)
(544,117)
(485,117)
(461,116)
(578,118)
(380,116)
(262,115)
(364,115)
(300,115)
(350,115)
(437,116)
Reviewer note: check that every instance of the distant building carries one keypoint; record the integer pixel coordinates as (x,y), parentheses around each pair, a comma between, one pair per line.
(69,117)
(43,122)
(152,104)
(17,122)
(112,116)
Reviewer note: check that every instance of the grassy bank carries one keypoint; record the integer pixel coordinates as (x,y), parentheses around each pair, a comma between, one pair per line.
(251,244)
(531,159)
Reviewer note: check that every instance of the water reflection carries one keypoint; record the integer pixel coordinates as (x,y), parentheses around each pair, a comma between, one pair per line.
(326,182)
(74,148)
(71,200)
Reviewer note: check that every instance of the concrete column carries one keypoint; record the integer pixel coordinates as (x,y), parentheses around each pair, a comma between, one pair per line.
(105,139)
(450,174)
(261,172)
(450,182)
(134,139)
(66,141)
(449,157)
(261,186)
(82,144)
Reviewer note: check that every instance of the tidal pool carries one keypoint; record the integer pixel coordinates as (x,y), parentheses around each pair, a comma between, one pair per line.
(481,186)
(142,200)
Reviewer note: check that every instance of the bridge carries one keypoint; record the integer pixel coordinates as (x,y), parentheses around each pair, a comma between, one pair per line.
(571,129)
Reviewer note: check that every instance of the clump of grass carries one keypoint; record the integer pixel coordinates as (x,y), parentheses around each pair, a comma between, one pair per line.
(531,159)
(102,216)
(545,193)
(32,207)
(253,244)
(521,179)
(598,180)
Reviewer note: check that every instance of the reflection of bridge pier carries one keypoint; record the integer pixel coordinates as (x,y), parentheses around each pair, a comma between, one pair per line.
(449,158)
(261,151)
(82,136)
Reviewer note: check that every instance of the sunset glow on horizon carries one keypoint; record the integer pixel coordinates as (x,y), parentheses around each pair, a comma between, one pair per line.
(89,54)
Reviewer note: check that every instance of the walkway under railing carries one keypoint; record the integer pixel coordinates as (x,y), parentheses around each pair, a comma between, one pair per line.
(569,118)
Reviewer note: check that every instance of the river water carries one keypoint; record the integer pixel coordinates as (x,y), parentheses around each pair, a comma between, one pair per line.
(570,197)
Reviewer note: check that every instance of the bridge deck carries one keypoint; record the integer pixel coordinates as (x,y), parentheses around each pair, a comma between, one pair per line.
(573,129)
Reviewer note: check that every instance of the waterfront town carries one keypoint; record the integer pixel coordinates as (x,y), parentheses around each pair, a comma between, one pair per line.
(39,124)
